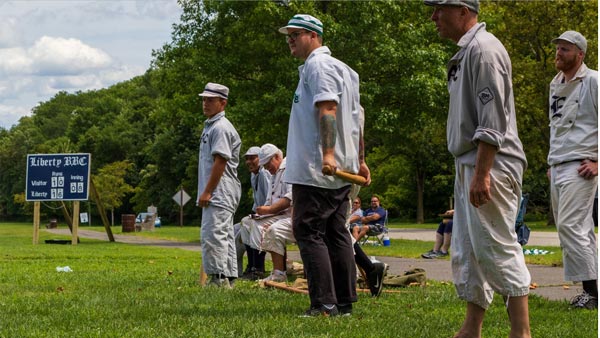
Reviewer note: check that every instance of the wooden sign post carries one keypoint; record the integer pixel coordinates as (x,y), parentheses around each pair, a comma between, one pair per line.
(36,222)
(181,198)
(57,177)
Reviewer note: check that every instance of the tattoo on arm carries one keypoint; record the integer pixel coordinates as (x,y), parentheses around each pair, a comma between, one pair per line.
(328,131)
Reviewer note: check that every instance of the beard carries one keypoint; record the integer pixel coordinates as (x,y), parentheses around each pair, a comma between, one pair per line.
(565,64)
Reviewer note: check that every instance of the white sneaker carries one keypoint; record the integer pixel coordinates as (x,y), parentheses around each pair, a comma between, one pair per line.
(277,276)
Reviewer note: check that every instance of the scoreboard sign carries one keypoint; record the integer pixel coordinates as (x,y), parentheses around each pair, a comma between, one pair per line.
(58,177)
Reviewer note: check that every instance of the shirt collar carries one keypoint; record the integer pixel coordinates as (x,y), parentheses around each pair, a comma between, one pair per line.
(215,117)
(579,75)
(321,50)
(581,72)
(470,34)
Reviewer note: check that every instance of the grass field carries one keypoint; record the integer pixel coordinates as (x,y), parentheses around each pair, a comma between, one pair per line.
(398,248)
(121,290)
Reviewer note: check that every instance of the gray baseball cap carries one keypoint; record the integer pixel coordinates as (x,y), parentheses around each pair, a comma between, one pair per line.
(573,37)
(472,5)
(253,151)
(267,151)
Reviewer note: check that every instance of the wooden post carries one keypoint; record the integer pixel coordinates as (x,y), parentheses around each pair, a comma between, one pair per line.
(74,239)
(36,222)
(67,216)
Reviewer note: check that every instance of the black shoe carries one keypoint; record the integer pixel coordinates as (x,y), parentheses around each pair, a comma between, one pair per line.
(375,278)
(345,309)
(321,311)
(253,274)
(219,281)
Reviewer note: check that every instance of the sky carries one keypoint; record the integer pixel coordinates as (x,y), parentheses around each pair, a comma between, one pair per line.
(50,46)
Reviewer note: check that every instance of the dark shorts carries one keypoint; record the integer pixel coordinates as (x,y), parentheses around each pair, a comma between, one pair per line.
(444,228)
(376,227)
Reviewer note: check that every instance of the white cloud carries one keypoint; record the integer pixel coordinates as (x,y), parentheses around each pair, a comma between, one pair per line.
(9,35)
(52,45)
(15,61)
(13,86)
(10,115)
(60,56)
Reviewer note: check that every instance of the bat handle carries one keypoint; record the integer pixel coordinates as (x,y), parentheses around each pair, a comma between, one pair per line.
(328,170)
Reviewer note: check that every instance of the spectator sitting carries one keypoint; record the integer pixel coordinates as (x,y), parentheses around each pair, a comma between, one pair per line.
(373,219)
(442,237)
(275,238)
(260,181)
(275,213)
(355,214)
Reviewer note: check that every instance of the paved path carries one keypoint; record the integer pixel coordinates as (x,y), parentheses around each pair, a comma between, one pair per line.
(549,279)
(537,238)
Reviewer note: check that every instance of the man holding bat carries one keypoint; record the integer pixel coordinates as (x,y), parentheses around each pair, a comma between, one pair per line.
(324,136)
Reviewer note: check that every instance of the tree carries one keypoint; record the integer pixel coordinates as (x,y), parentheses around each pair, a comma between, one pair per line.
(154,121)
(111,185)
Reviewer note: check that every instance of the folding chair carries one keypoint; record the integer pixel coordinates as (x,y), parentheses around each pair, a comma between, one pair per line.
(521,228)
(376,237)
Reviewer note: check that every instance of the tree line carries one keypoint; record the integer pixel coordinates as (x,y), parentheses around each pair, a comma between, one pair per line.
(143,133)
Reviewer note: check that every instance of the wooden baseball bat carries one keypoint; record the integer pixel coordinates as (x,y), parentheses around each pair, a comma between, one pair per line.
(346,176)
(203,276)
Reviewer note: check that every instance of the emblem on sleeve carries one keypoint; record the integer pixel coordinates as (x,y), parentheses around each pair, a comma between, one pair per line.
(485,95)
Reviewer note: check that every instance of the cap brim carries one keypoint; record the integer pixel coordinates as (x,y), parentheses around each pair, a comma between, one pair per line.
(264,161)
(556,40)
(210,95)
(284,30)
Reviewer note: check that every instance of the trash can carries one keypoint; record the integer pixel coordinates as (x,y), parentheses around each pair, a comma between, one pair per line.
(128,223)
(53,224)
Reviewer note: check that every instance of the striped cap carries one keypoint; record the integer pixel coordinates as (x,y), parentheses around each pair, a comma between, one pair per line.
(215,90)
(304,21)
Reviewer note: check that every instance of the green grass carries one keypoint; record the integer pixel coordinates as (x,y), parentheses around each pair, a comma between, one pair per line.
(398,247)
(120,290)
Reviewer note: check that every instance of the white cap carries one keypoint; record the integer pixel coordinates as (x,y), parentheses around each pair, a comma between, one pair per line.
(215,90)
(267,151)
(573,37)
(252,151)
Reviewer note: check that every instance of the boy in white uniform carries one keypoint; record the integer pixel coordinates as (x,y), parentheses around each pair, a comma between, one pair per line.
(219,189)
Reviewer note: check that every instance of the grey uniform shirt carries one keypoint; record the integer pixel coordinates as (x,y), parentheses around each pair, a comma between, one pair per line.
(482,103)
(261,182)
(279,189)
(323,78)
(219,137)
(573,117)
